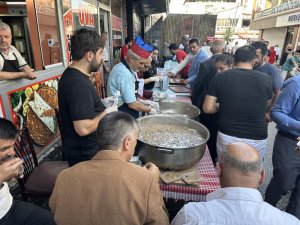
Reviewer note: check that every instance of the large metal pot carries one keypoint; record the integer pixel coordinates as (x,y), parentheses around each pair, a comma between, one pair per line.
(172,158)
(180,108)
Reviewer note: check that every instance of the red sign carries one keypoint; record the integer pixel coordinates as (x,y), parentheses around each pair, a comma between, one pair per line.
(116,23)
(85,15)
(210,39)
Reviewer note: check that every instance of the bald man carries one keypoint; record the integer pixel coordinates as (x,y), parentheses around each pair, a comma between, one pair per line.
(204,76)
(238,202)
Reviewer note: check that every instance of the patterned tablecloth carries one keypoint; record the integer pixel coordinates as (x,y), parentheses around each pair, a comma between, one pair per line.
(209,183)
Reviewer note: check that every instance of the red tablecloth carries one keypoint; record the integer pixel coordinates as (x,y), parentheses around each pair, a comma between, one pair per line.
(209,183)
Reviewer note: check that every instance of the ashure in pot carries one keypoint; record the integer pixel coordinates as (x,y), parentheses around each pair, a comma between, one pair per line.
(176,142)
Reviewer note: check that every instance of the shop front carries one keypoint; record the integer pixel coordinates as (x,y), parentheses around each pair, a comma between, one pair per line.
(41,33)
(279,24)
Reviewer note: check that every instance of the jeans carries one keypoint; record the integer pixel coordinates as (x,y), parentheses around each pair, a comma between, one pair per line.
(23,213)
(286,174)
(223,140)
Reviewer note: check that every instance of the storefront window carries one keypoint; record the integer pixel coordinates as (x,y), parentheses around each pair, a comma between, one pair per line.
(85,14)
(49,31)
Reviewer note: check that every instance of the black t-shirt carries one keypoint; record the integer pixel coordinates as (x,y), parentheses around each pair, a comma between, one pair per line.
(243,95)
(78,100)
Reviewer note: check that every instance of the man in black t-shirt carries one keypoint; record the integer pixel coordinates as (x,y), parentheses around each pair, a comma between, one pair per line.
(80,106)
(243,95)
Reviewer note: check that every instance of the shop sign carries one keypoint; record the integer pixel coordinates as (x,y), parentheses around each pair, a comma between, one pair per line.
(117,37)
(288,20)
(116,23)
(292,4)
(85,16)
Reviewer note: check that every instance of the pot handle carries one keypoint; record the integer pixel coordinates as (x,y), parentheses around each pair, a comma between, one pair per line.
(165,150)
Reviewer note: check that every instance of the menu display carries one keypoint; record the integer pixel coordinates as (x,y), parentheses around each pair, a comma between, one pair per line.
(36,106)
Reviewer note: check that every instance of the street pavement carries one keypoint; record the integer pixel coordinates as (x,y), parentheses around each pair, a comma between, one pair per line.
(269,167)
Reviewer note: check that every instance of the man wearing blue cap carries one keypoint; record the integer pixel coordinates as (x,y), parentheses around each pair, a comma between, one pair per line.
(123,78)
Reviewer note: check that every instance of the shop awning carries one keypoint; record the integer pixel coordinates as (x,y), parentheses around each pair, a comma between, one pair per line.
(148,7)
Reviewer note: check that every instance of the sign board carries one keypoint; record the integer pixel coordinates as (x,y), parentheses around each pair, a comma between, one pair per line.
(116,23)
(291,4)
(288,20)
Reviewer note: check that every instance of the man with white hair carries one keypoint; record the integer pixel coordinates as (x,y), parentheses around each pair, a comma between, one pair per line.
(12,64)
(240,171)
(123,78)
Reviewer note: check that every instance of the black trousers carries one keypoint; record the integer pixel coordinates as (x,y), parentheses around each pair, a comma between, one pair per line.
(23,213)
(286,174)
(211,123)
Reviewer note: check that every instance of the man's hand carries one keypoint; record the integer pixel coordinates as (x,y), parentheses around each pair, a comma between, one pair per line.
(10,169)
(298,146)
(109,101)
(155,79)
(185,81)
(29,74)
(152,104)
(267,117)
(152,168)
(111,109)
(153,111)
(171,74)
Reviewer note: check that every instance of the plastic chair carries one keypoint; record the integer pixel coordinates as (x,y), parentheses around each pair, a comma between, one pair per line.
(38,179)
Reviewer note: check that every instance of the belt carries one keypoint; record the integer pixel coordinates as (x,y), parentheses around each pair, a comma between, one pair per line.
(288,135)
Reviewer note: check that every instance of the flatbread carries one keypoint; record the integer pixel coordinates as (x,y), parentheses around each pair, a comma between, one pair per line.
(169,177)
(38,131)
(191,178)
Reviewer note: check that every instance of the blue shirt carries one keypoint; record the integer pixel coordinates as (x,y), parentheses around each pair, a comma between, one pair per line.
(274,73)
(233,206)
(123,80)
(286,111)
(197,59)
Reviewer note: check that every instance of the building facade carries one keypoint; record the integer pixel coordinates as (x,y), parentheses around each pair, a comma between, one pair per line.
(233,14)
(278,22)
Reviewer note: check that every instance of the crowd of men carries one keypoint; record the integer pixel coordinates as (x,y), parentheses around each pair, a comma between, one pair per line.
(238,95)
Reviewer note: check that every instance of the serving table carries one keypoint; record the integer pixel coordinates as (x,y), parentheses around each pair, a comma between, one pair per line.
(175,196)
(209,183)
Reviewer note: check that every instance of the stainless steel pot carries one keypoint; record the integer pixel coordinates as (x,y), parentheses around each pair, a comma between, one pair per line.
(172,158)
(180,108)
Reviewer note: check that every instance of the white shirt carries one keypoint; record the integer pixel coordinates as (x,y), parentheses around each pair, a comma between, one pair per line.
(233,206)
(184,62)
(105,55)
(278,51)
(5,200)
(10,56)
(234,48)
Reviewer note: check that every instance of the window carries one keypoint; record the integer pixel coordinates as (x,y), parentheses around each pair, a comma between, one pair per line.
(49,33)
(245,23)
